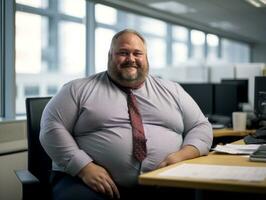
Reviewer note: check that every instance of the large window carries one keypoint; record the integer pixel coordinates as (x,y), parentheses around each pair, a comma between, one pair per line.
(109,17)
(198,45)
(34,3)
(57,41)
(235,52)
(212,47)
(113,20)
(103,37)
(50,46)
(180,44)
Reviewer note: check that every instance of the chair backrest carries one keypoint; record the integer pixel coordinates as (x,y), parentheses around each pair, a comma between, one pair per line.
(39,163)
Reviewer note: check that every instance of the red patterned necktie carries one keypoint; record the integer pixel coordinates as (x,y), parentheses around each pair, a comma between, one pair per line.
(139,141)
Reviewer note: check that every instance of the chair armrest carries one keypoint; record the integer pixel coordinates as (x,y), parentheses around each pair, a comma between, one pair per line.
(31,186)
(26,177)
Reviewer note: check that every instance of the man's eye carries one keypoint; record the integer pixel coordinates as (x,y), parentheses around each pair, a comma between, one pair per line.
(138,54)
(122,53)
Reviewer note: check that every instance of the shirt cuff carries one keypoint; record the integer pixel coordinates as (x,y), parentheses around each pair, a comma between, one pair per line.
(200,145)
(77,162)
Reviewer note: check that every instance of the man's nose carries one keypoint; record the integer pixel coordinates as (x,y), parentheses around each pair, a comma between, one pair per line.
(131,57)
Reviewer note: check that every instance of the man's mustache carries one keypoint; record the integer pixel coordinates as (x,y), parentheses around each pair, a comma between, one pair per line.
(127,64)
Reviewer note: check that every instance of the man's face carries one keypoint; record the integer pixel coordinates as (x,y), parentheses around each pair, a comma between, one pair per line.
(128,64)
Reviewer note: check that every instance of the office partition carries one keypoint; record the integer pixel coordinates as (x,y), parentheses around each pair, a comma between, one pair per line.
(225,98)
(219,72)
(242,88)
(202,93)
(249,71)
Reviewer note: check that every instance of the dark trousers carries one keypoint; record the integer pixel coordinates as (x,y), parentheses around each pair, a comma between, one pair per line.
(66,187)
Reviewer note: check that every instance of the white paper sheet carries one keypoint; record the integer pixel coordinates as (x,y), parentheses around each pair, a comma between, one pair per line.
(236,149)
(217,172)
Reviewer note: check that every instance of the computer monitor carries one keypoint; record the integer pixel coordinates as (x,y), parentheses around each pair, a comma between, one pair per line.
(225,99)
(202,93)
(242,88)
(260,97)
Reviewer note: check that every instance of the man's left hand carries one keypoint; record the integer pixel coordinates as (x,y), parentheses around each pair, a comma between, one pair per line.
(187,152)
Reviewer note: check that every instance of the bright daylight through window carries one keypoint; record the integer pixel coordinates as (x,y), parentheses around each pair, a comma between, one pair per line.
(50,43)
(48,53)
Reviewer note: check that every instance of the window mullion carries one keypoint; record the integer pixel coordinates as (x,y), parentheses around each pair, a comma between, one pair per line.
(169,41)
(189,45)
(53,37)
(1,56)
(90,37)
(9,59)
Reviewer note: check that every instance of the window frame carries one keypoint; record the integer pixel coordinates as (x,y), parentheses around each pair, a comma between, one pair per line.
(55,18)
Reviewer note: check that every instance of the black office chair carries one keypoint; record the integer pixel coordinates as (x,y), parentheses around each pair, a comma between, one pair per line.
(35,180)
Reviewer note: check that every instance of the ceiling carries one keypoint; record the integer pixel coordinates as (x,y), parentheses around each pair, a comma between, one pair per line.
(236,17)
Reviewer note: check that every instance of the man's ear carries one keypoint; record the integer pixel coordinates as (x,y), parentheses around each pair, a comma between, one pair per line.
(109,58)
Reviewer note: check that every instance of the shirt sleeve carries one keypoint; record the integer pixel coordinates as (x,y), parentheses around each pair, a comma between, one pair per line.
(56,135)
(197,129)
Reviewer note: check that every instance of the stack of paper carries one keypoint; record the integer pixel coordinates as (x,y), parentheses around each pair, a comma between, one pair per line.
(236,149)
(217,172)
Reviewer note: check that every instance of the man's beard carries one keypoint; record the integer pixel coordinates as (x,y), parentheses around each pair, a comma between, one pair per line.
(124,75)
(125,78)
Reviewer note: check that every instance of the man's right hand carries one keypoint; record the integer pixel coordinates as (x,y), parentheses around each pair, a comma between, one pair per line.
(97,178)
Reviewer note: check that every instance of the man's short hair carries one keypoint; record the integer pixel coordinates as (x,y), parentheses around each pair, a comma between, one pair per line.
(118,34)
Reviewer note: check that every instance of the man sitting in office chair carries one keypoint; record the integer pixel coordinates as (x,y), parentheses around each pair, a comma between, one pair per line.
(103,131)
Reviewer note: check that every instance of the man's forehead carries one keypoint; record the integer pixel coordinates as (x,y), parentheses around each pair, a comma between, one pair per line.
(129,40)
(129,37)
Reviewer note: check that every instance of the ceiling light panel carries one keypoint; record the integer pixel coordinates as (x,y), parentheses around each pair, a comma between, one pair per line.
(173,7)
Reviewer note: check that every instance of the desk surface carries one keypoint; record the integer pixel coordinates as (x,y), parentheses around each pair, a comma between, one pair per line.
(230,132)
(152,178)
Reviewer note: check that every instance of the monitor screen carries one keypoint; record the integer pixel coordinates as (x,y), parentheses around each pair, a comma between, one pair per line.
(225,98)
(242,88)
(260,97)
(202,93)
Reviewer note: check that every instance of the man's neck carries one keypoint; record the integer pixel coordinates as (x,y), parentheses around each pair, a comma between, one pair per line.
(133,86)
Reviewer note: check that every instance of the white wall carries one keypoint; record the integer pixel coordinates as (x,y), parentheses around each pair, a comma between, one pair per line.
(182,74)
(258,53)
(219,72)
(12,139)
(10,187)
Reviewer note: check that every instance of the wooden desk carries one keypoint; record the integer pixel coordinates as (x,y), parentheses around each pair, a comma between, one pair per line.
(227,135)
(230,132)
(152,178)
